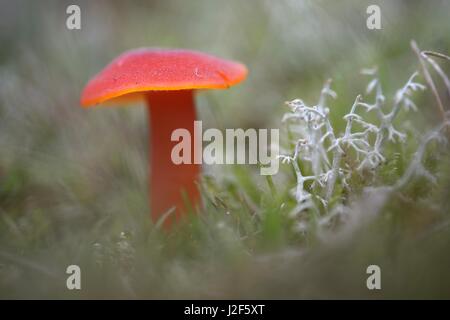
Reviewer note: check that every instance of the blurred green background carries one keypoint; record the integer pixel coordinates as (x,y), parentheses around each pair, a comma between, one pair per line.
(73,181)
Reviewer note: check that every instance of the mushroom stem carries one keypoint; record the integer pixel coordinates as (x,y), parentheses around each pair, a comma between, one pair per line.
(171,185)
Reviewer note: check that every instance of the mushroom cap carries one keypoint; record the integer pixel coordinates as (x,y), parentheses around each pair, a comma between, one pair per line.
(150,69)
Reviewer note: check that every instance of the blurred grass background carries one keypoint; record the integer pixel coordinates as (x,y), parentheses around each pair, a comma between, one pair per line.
(73,182)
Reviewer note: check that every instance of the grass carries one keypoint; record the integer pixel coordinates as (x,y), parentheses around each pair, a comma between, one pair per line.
(73,184)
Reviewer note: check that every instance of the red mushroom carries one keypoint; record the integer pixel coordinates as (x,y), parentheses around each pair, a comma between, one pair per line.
(166,80)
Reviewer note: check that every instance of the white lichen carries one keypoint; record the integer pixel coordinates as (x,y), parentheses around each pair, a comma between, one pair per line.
(322,158)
